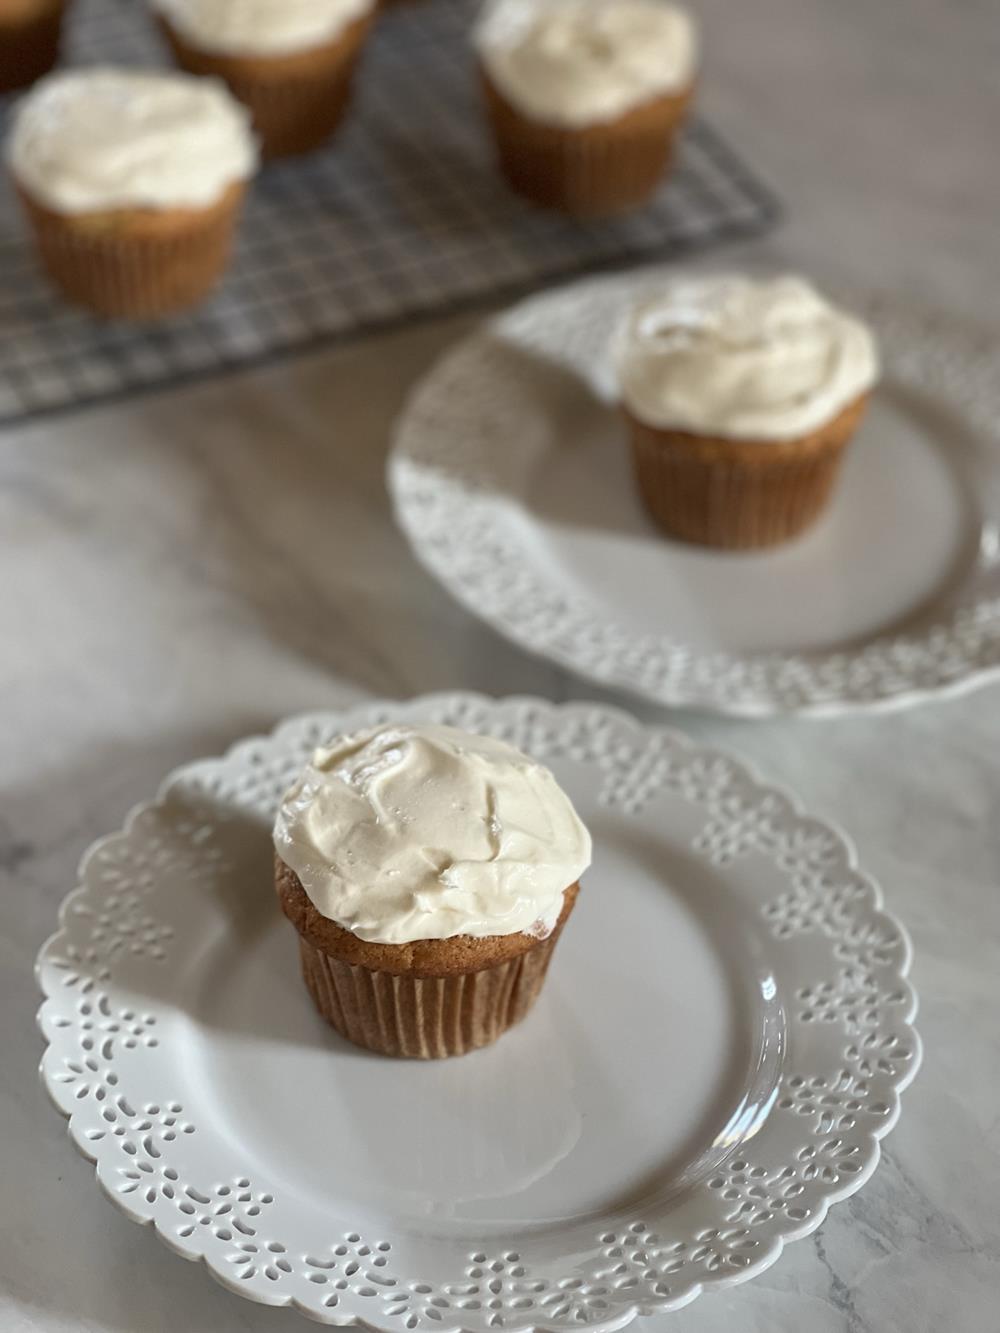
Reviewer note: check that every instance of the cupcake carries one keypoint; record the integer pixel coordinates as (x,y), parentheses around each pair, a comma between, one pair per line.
(290,61)
(740,398)
(428,874)
(29,40)
(585,97)
(132,183)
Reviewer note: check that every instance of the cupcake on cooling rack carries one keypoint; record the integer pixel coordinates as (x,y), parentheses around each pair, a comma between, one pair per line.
(429,874)
(291,62)
(585,97)
(29,40)
(741,396)
(132,182)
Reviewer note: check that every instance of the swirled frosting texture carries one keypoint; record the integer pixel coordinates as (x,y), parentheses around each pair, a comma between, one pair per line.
(104,138)
(578,62)
(260,27)
(743,359)
(415,833)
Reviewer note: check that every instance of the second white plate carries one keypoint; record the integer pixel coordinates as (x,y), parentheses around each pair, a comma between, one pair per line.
(716,1055)
(511,478)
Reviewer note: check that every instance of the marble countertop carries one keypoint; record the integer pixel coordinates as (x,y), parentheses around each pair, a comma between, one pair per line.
(190,567)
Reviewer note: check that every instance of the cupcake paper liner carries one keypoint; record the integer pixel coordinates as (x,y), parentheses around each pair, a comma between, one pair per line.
(136,263)
(29,47)
(426,999)
(591,171)
(739,494)
(298,100)
(424,1018)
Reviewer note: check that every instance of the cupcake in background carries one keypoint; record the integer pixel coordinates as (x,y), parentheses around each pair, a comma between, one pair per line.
(741,396)
(29,40)
(585,97)
(428,873)
(132,182)
(291,62)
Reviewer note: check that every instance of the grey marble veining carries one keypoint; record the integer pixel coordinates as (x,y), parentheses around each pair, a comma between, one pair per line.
(188,568)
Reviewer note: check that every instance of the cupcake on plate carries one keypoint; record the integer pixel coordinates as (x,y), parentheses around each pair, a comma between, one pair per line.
(132,182)
(429,874)
(585,97)
(29,40)
(741,396)
(291,62)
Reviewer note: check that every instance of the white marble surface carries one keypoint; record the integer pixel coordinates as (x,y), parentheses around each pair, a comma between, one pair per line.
(185,569)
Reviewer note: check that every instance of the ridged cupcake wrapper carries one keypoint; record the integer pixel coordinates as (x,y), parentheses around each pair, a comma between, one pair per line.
(296,117)
(136,272)
(296,104)
(592,171)
(29,49)
(739,497)
(424,1018)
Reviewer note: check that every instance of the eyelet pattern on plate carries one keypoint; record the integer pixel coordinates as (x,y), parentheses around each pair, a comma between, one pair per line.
(851,1043)
(461,438)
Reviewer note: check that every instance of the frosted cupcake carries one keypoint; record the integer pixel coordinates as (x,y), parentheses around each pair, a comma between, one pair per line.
(132,182)
(585,97)
(741,397)
(29,40)
(290,61)
(429,874)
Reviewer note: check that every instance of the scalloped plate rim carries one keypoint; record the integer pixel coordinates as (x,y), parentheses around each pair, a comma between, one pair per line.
(974,677)
(355,712)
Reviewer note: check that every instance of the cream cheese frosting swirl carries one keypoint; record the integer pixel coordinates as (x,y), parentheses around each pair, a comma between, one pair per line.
(414,833)
(578,62)
(740,358)
(260,27)
(103,138)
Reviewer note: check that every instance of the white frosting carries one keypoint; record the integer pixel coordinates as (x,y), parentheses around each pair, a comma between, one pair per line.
(260,27)
(750,360)
(101,138)
(416,833)
(577,62)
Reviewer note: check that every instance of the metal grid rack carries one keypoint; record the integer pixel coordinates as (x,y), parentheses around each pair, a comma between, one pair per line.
(403,215)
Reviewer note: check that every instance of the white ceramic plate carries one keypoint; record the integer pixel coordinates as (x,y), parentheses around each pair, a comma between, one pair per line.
(511,478)
(719,1048)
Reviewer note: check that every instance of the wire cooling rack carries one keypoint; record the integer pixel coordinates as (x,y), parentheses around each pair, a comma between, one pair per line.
(403,215)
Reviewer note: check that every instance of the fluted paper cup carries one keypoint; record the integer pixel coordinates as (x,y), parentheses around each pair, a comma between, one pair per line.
(136,263)
(592,170)
(426,1000)
(739,494)
(296,100)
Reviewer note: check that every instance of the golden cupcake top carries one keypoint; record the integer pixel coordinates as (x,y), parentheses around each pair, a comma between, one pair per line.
(103,138)
(260,27)
(578,62)
(411,833)
(743,358)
